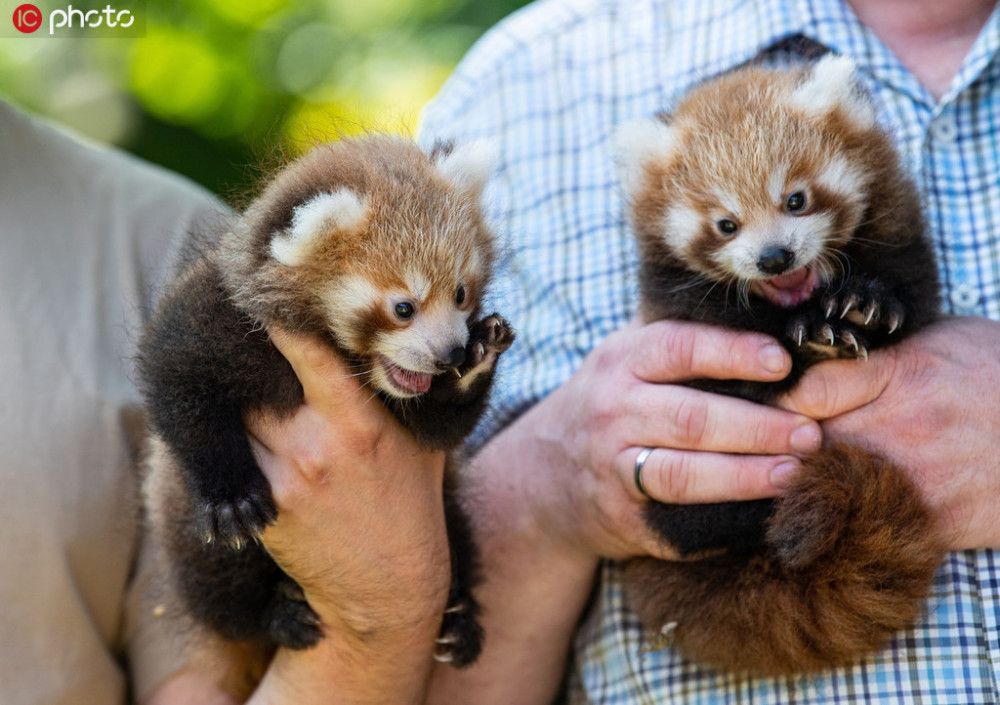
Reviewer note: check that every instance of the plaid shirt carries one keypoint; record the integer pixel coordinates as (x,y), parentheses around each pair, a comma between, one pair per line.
(550,85)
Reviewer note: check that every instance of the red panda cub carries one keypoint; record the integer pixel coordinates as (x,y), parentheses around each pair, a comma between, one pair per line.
(382,252)
(772,201)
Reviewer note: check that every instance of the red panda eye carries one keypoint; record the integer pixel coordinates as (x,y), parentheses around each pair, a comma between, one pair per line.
(727,226)
(796,201)
(460,295)
(404,310)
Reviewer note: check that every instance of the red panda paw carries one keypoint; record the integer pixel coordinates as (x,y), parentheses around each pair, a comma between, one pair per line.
(238,520)
(488,339)
(868,303)
(822,339)
(461,638)
(290,621)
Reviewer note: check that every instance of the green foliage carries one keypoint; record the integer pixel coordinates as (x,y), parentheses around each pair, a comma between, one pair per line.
(215,86)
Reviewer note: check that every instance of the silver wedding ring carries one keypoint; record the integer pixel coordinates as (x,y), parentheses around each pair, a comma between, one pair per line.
(639,461)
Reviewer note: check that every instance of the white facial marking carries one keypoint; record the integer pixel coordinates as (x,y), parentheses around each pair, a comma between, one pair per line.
(344,300)
(729,202)
(776,185)
(637,144)
(841,178)
(809,233)
(313,220)
(419,285)
(469,165)
(682,226)
(474,264)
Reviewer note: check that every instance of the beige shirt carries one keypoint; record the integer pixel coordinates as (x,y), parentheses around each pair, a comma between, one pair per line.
(86,236)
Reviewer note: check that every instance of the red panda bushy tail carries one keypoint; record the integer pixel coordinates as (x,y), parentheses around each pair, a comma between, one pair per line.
(850,557)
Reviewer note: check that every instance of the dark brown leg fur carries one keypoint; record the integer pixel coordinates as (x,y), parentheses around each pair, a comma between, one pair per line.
(851,553)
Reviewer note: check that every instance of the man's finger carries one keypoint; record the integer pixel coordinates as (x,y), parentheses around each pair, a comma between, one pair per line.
(327,381)
(839,386)
(672,351)
(688,419)
(680,477)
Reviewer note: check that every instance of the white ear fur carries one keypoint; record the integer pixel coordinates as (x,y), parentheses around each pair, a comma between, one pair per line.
(469,165)
(831,84)
(339,210)
(637,144)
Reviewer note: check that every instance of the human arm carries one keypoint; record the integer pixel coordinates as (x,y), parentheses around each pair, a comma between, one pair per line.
(554,491)
(361,529)
(930,404)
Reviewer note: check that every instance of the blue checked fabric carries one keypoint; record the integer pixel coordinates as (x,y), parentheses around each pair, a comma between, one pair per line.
(549,86)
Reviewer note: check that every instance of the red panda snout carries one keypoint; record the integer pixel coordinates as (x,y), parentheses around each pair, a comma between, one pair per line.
(455,358)
(775,260)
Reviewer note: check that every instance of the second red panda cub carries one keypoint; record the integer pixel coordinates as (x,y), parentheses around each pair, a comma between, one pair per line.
(773,201)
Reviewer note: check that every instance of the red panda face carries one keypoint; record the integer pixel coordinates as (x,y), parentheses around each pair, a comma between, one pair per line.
(430,335)
(757,180)
(777,234)
(410,330)
(380,247)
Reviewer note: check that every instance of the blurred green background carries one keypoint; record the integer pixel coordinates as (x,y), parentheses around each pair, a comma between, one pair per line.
(218,87)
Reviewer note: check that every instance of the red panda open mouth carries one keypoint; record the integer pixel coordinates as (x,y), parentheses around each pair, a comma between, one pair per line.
(406,382)
(791,289)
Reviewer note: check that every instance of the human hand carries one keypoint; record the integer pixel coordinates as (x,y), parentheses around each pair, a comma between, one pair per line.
(930,404)
(360,527)
(580,444)
(361,519)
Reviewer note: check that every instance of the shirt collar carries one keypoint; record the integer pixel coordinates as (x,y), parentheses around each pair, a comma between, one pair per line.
(984,54)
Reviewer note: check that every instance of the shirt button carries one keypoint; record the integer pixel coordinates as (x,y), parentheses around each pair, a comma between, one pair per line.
(964,297)
(944,129)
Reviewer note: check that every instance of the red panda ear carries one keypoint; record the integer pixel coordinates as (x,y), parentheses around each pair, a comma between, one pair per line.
(830,85)
(637,145)
(313,220)
(468,165)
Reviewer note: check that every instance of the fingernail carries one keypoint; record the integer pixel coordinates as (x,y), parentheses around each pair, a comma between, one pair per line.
(772,358)
(783,474)
(806,438)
